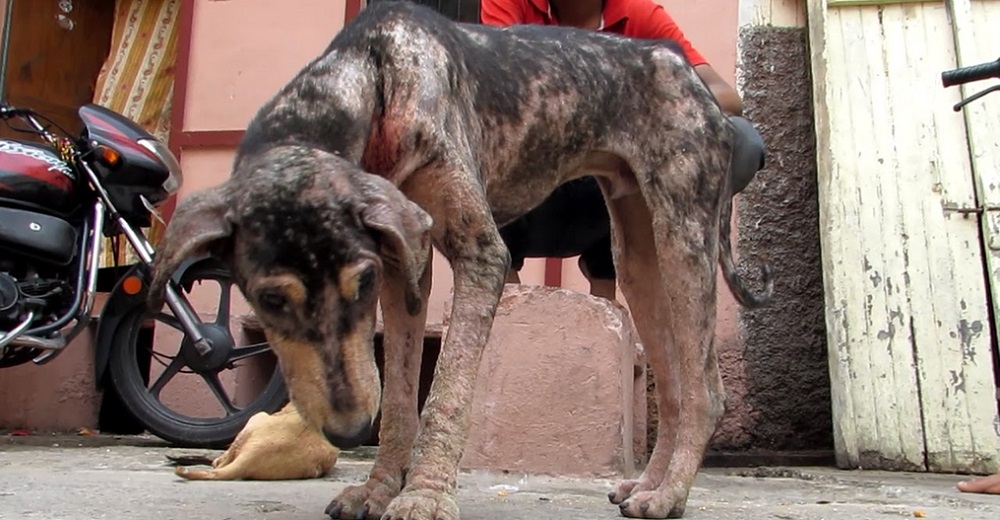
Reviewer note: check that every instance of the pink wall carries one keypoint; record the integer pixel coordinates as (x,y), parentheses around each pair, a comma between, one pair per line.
(242,52)
(711,27)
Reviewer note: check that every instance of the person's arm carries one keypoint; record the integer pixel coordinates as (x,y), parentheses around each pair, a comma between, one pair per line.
(501,12)
(659,25)
(726,95)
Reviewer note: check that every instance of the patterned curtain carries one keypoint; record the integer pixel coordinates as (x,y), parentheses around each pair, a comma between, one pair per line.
(137,80)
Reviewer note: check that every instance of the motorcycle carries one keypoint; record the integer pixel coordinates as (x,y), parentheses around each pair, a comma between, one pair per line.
(59,195)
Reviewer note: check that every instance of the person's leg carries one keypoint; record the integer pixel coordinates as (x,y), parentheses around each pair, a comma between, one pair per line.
(598,266)
(989,485)
(748,156)
(514,237)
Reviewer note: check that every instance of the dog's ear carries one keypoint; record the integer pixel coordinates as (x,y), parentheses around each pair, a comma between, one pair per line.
(404,229)
(199,221)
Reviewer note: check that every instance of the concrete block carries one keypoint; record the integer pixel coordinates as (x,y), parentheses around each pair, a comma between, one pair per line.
(561,388)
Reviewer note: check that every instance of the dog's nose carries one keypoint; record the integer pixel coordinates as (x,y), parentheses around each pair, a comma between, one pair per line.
(349,440)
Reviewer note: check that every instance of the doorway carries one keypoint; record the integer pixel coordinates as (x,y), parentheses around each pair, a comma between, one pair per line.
(51,54)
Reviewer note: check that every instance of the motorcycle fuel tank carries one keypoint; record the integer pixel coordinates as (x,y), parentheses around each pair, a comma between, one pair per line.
(34,176)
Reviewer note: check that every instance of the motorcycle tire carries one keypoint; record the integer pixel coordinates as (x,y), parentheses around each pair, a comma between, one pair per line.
(179,429)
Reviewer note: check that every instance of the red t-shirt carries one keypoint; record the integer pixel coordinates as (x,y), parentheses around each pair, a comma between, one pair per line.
(642,19)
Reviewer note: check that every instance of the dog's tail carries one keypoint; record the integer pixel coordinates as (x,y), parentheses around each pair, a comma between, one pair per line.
(733,278)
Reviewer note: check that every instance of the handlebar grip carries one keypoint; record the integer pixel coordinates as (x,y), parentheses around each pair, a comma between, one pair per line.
(971,73)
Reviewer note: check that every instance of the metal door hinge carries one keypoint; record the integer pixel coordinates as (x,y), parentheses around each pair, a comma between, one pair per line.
(963,210)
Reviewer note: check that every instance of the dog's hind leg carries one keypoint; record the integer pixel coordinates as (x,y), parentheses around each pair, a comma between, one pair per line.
(403,348)
(465,233)
(638,274)
(676,250)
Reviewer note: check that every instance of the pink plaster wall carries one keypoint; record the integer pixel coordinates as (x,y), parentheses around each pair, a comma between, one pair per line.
(242,52)
(58,396)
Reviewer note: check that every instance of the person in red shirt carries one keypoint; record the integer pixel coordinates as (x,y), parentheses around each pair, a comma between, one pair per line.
(573,220)
(643,19)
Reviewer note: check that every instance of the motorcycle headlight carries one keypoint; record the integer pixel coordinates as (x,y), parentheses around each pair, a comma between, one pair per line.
(160,150)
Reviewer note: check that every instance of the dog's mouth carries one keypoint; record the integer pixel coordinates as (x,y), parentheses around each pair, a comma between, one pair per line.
(348,440)
(338,395)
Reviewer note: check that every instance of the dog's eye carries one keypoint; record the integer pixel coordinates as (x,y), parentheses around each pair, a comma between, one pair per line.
(272,302)
(366,281)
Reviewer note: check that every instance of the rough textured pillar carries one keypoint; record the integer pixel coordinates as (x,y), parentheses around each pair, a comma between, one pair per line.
(787,386)
(558,396)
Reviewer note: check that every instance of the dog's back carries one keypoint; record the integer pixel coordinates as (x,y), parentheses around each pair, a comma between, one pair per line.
(545,100)
(401,87)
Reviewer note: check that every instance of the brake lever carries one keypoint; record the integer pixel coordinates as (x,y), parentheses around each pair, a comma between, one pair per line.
(958,106)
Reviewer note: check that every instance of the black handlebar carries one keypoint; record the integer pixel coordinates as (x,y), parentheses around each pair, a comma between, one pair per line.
(7,111)
(961,75)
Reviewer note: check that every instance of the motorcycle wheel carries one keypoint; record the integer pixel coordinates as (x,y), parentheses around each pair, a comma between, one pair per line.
(144,400)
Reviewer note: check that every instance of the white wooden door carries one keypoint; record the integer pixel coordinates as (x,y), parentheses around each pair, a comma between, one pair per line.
(906,286)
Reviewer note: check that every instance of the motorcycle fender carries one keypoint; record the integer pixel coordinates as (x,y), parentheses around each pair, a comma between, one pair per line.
(119,304)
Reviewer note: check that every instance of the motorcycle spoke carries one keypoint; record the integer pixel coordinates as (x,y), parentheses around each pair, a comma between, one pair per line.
(248,351)
(168,373)
(169,320)
(212,380)
(225,297)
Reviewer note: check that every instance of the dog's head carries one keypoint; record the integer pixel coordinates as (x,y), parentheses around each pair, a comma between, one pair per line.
(308,237)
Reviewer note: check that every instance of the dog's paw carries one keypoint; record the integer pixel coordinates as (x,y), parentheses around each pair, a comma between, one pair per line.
(658,503)
(422,504)
(626,487)
(364,502)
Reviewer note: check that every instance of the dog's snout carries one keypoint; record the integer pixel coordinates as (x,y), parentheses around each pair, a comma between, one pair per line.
(350,439)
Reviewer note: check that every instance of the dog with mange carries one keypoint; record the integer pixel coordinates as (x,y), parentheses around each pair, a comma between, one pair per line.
(411,130)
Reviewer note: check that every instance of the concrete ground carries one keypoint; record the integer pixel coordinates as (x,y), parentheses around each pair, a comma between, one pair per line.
(76,478)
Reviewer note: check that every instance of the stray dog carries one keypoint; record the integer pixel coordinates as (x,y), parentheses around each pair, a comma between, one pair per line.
(280,446)
(411,130)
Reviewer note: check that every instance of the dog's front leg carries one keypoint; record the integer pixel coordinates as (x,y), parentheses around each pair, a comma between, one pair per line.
(403,347)
(465,233)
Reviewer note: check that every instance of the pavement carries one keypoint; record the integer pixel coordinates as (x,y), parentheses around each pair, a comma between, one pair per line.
(69,478)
